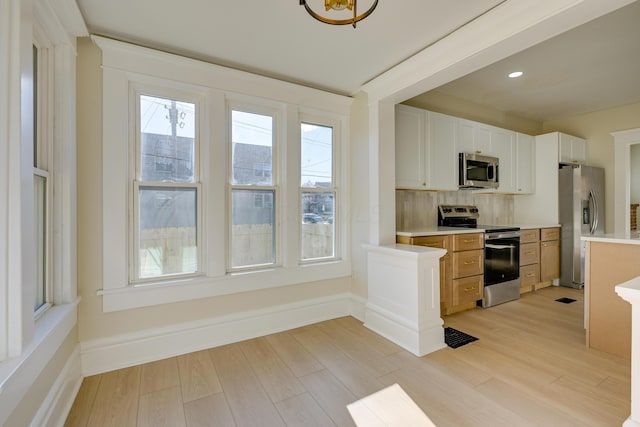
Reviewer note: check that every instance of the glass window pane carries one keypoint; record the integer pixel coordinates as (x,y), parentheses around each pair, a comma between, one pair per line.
(316,161)
(252,146)
(40,213)
(167,231)
(318,228)
(252,228)
(35,80)
(168,131)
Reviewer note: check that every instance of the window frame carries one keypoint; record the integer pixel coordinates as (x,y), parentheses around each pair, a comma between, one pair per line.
(274,111)
(124,66)
(43,80)
(336,178)
(182,94)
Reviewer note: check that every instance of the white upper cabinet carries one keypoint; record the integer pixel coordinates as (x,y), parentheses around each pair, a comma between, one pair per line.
(442,155)
(572,149)
(525,164)
(473,137)
(503,147)
(425,150)
(411,148)
(428,144)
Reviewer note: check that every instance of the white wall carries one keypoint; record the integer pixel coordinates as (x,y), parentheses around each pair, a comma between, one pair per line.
(596,129)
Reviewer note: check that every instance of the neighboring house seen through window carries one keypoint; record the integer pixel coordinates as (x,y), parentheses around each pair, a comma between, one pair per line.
(318,192)
(166,189)
(253,224)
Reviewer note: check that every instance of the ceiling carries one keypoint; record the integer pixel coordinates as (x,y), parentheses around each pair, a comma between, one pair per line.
(280,39)
(592,67)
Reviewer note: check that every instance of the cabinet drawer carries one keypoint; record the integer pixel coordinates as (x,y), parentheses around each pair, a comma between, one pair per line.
(549,234)
(529,275)
(465,242)
(468,263)
(530,235)
(468,289)
(442,242)
(529,253)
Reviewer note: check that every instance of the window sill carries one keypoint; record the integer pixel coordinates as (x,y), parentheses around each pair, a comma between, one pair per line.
(131,297)
(19,373)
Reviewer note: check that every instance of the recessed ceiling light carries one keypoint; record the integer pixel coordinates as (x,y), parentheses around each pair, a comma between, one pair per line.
(515,74)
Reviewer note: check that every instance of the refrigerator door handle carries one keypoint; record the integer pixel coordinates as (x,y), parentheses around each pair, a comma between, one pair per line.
(594,225)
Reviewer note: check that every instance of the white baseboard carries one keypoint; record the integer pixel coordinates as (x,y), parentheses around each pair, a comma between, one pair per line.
(419,339)
(56,406)
(127,350)
(358,307)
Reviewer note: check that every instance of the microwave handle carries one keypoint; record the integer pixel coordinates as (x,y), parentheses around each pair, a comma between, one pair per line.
(495,173)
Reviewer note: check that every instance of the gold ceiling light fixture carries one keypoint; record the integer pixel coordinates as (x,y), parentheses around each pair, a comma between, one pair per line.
(339,5)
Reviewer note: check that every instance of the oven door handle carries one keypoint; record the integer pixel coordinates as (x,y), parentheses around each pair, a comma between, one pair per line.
(492,246)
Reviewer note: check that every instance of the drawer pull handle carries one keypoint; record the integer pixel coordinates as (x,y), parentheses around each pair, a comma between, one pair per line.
(469,262)
(470,288)
(468,241)
(530,253)
(531,274)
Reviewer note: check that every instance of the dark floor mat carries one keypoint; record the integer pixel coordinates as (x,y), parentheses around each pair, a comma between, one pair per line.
(565,300)
(454,338)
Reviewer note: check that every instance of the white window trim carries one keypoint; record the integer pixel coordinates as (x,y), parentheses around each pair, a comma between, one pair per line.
(188,94)
(31,341)
(339,179)
(273,110)
(125,65)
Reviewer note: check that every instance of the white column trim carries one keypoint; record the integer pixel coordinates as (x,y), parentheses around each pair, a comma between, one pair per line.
(623,140)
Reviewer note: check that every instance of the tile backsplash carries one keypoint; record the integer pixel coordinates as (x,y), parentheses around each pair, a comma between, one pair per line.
(417,210)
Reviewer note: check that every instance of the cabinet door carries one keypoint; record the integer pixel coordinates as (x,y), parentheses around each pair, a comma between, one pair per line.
(473,137)
(503,147)
(411,165)
(572,149)
(525,164)
(464,136)
(549,260)
(442,156)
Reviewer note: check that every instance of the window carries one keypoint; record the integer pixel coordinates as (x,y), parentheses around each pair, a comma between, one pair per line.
(166,189)
(253,192)
(202,189)
(317,192)
(41,182)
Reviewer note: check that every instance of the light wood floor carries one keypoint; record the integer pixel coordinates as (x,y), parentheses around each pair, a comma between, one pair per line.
(529,368)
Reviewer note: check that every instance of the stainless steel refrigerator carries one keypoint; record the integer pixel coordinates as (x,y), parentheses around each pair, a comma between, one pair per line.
(581,213)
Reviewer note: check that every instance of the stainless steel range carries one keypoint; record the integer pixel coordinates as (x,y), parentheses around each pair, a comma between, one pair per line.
(501,253)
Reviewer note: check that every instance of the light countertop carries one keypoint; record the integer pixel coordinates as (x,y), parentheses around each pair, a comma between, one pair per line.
(623,238)
(436,231)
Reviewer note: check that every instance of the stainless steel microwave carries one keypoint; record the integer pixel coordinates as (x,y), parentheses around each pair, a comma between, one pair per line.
(477,171)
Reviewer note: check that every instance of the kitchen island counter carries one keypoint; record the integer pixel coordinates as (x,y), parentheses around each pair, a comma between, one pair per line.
(610,259)
(623,238)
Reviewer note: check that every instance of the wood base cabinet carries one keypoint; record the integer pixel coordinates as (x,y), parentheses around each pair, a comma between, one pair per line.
(461,269)
(529,259)
(549,255)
